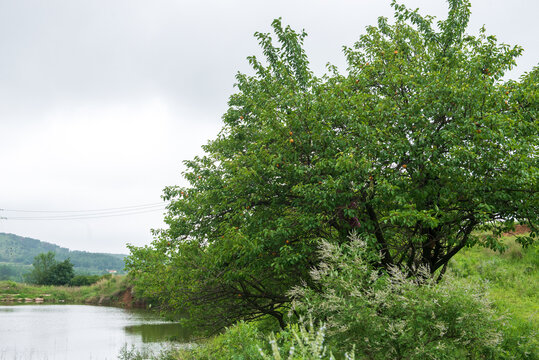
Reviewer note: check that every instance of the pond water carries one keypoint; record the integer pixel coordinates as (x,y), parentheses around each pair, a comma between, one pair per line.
(36,332)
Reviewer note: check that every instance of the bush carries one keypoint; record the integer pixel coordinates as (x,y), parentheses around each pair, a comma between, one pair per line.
(392,316)
(132,353)
(298,342)
(242,341)
(245,341)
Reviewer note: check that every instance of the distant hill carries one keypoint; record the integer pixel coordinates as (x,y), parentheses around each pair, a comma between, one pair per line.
(17,254)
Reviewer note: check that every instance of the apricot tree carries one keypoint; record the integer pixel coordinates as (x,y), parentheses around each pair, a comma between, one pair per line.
(417,145)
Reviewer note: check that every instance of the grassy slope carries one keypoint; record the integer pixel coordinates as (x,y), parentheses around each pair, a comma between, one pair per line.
(513,287)
(512,277)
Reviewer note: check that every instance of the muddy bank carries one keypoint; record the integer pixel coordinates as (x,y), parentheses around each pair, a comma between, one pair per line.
(124,298)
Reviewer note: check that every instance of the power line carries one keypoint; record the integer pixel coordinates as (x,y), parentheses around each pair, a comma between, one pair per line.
(133,207)
(86,216)
(95,212)
(82,214)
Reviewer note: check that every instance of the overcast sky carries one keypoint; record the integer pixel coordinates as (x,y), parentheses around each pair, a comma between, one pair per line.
(102,100)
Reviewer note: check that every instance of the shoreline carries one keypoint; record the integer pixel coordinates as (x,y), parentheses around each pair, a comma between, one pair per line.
(116,291)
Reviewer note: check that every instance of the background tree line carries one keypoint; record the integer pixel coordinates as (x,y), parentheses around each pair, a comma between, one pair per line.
(17,254)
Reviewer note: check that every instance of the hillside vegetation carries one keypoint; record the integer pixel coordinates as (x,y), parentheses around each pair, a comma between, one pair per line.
(17,254)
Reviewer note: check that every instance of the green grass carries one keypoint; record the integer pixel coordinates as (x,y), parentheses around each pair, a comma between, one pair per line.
(513,287)
(512,277)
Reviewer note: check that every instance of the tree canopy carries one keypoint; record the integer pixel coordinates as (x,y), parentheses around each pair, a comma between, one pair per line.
(47,271)
(419,143)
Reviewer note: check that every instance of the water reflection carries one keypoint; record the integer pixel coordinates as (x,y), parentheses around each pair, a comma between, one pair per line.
(159,332)
(79,331)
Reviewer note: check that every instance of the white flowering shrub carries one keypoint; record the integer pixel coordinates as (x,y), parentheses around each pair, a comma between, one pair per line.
(299,342)
(244,341)
(393,316)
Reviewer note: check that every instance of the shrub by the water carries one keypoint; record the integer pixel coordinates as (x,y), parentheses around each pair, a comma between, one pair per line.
(300,342)
(245,341)
(241,341)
